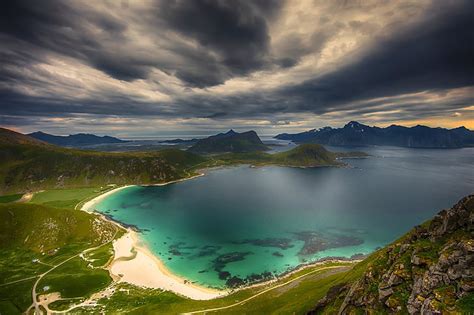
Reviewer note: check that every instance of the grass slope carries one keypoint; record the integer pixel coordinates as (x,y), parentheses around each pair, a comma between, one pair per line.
(10,198)
(28,164)
(289,295)
(31,165)
(42,229)
(33,238)
(67,198)
(305,155)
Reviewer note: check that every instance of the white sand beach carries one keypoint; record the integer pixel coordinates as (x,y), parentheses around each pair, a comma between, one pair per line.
(89,205)
(135,264)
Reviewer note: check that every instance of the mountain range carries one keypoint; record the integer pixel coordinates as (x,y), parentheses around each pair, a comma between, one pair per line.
(30,164)
(357,134)
(76,140)
(230,141)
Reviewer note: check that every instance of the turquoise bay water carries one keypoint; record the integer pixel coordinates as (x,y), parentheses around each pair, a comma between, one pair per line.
(238,223)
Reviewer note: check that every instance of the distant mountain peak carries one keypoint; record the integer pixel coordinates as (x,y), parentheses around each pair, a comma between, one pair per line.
(231,132)
(354,125)
(230,141)
(37,133)
(75,140)
(357,134)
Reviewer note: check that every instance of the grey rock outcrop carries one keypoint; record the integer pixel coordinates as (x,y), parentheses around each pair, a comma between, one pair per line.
(425,272)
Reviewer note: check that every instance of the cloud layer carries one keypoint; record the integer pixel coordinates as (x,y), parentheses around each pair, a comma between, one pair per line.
(116,66)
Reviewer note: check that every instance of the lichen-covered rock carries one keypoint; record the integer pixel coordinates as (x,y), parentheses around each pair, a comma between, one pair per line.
(425,272)
(330,295)
(456,262)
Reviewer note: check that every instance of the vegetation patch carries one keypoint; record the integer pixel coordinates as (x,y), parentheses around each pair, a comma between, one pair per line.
(35,238)
(16,298)
(66,198)
(74,279)
(10,198)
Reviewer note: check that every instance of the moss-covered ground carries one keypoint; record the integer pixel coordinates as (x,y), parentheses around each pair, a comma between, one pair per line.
(10,198)
(66,198)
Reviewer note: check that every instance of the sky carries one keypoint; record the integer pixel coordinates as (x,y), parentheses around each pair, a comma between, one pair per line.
(195,67)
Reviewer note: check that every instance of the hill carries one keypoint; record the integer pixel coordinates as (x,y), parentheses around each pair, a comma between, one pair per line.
(76,140)
(45,250)
(29,164)
(230,141)
(357,134)
(430,270)
(305,155)
(41,228)
(10,137)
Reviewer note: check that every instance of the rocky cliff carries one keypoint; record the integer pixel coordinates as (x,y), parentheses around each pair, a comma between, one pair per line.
(428,271)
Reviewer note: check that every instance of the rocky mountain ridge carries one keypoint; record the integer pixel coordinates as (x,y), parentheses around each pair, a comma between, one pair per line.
(76,140)
(357,134)
(428,271)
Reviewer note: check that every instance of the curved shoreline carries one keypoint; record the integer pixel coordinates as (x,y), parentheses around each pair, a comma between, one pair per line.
(89,205)
(134,263)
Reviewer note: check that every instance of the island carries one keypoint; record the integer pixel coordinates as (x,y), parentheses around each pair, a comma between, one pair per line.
(76,140)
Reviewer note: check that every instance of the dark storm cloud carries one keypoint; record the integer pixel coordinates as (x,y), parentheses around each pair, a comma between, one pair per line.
(211,42)
(24,105)
(236,31)
(233,37)
(436,53)
(57,26)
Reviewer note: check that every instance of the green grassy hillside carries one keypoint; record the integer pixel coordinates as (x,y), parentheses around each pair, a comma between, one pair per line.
(42,229)
(35,238)
(31,165)
(28,164)
(305,155)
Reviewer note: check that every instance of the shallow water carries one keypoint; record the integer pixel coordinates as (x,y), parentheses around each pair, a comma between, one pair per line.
(241,221)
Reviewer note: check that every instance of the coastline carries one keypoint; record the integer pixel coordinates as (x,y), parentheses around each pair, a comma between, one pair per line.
(89,205)
(175,181)
(134,263)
